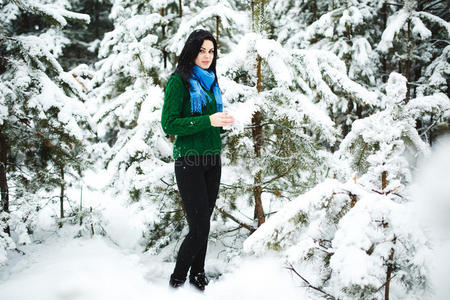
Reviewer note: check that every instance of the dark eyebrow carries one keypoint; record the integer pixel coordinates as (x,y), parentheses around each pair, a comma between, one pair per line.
(205,48)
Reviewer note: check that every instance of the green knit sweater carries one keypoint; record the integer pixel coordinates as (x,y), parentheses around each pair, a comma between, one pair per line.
(194,133)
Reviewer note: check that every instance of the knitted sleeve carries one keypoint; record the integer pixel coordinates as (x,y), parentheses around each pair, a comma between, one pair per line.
(171,120)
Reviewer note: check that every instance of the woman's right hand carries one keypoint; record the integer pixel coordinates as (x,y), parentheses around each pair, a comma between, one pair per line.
(221,119)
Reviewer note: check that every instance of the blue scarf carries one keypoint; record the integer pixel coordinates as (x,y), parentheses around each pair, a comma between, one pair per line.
(203,78)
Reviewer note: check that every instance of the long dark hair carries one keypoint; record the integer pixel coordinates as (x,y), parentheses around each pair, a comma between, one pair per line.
(189,54)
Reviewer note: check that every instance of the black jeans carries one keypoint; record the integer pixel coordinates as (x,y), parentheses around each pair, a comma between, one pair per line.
(198,180)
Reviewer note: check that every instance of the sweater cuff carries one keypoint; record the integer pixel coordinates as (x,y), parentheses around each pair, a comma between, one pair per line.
(205,122)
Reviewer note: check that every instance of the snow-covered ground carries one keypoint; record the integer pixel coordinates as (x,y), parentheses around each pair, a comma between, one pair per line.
(95,268)
(111,267)
(115,267)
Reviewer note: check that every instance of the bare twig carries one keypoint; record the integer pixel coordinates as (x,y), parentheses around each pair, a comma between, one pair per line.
(242,224)
(394,4)
(384,284)
(166,182)
(280,175)
(434,123)
(387,192)
(328,296)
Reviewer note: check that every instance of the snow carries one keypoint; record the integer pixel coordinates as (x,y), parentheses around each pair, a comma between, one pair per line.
(438,102)
(358,245)
(351,16)
(394,25)
(58,14)
(95,268)
(3,107)
(419,29)
(339,233)
(35,47)
(114,267)
(274,54)
(69,108)
(321,26)
(256,243)
(8,13)
(228,18)
(435,19)
(354,266)
(431,192)
(397,87)
(437,73)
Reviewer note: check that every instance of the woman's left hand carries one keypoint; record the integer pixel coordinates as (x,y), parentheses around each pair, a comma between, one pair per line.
(221,119)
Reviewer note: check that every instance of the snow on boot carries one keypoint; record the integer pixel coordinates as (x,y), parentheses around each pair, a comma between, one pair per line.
(175,282)
(199,280)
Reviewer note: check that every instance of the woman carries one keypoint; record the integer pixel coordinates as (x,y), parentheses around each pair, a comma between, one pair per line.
(192,111)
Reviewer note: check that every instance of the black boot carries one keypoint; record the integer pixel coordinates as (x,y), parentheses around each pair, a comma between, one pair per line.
(175,282)
(199,280)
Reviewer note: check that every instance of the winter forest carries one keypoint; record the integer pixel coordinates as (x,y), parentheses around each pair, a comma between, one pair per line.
(335,180)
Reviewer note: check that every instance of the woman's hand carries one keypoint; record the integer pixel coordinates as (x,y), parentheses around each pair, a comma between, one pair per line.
(221,119)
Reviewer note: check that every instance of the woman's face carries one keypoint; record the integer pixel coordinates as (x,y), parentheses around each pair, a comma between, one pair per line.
(205,55)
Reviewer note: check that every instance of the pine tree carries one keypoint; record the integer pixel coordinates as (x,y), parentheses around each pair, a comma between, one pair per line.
(43,122)
(414,43)
(342,27)
(84,39)
(221,19)
(128,87)
(354,236)
(288,19)
(137,58)
(276,130)
(166,16)
(283,129)
(413,38)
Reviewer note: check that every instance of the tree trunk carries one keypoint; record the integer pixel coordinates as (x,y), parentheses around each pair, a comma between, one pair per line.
(418,69)
(180,6)
(61,196)
(81,206)
(258,20)
(384,13)
(314,4)
(252,5)
(92,226)
(390,262)
(408,63)
(390,268)
(217,30)
(3,180)
(257,191)
(163,34)
(257,144)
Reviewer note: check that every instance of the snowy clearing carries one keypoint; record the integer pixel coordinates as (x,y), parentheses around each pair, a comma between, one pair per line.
(85,268)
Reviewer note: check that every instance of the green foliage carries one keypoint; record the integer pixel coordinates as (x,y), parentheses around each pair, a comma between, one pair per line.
(301,218)
(83,37)
(43,121)
(168,228)
(88,220)
(365,292)
(274,245)
(361,150)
